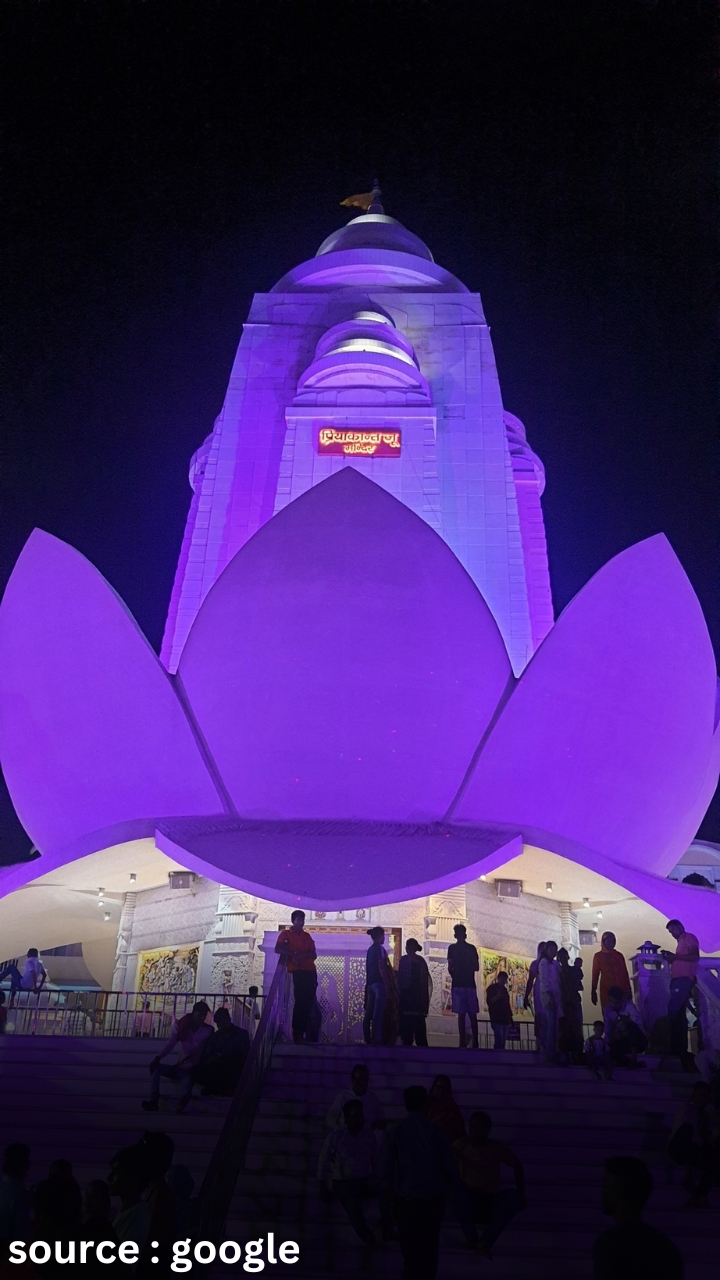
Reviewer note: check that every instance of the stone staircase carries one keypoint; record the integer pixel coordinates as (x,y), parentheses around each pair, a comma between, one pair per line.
(79,1098)
(561,1122)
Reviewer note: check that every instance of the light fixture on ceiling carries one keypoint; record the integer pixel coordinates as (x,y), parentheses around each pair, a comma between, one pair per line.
(596,925)
(133,877)
(599,915)
(586,902)
(100,893)
(101,902)
(548,886)
(482,877)
(107,915)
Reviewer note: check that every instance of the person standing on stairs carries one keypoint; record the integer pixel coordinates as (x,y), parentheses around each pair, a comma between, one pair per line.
(683,972)
(349,1167)
(463,963)
(533,1003)
(571,1023)
(296,949)
(631,1248)
(609,969)
(373,1113)
(442,1109)
(479,1193)
(417,1168)
(497,999)
(695,1144)
(415,988)
(548,983)
(15,1203)
(624,1033)
(377,981)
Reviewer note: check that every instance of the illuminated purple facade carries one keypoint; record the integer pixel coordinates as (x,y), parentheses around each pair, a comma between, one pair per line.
(342,721)
(370,341)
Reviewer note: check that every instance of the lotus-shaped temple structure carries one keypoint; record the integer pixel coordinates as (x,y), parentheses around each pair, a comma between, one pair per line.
(344,724)
(363,697)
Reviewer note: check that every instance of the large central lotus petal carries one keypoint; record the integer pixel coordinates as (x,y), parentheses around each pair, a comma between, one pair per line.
(607,740)
(344,665)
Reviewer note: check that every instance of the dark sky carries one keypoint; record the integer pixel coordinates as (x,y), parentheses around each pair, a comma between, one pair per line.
(163,161)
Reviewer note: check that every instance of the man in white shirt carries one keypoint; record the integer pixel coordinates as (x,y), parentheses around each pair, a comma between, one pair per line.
(32,978)
(624,1033)
(548,982)
(373,1113)
(349,1167)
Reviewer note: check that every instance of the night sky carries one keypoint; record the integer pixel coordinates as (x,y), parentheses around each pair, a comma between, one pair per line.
(163,161)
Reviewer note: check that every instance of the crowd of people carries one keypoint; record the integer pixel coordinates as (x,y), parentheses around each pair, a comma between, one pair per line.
(397,1002)
(430,1166)
(429,1162)
(145,1200)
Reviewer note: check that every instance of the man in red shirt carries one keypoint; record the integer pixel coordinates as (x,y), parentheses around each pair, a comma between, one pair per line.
(683,969)
(297,950)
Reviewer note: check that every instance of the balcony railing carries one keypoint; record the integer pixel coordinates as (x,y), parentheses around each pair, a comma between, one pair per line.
(121,1014)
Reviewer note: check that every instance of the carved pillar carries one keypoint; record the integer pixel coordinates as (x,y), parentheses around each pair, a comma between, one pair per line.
(121,978)
(229,952)
(570,938)
(444,911)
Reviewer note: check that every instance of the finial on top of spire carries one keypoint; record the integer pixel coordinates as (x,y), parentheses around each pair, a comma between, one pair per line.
(369,201)
(376,202)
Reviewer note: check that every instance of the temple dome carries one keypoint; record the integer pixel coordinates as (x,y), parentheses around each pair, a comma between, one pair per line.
(375,231)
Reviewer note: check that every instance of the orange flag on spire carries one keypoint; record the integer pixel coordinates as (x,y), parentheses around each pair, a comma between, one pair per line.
(358,202)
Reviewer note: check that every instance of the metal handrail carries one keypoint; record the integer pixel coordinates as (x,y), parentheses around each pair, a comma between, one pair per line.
(215,1195)
(119,1014)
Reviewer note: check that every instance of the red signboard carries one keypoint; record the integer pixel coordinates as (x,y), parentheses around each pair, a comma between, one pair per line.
(359,442)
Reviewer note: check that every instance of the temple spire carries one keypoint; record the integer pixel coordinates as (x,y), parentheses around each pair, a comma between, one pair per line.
(376,202)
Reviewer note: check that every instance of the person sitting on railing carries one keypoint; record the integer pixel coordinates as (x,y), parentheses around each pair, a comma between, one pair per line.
(190,1033)
(32,978)
(223,1057)
(349,1166)
(373,1113)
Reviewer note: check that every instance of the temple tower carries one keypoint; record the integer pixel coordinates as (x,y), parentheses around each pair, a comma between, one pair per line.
(372,356)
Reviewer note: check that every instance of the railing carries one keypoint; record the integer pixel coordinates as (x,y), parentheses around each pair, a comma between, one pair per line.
(216,1192)
(526,1042)
(125,1014)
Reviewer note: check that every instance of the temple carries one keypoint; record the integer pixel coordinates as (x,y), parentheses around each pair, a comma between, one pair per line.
(371,356)
(363,703)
